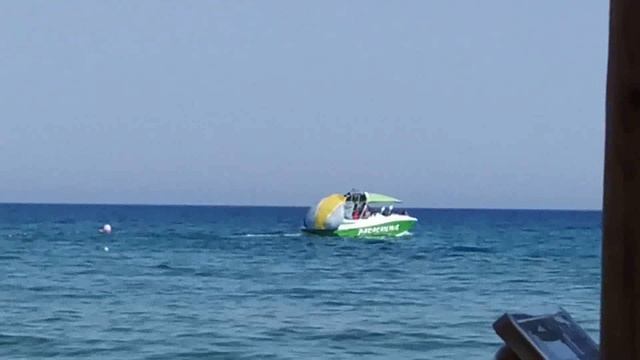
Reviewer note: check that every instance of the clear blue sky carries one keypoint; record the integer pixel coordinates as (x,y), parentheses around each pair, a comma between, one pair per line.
(496,104)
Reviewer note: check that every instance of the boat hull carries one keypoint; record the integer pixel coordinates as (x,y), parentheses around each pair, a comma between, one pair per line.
(376,226)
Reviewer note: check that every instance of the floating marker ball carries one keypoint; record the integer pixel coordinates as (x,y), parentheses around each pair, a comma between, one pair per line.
(106,228)
(328,214)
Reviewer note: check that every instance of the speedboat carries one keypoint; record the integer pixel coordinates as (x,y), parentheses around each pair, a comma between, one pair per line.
(358,214)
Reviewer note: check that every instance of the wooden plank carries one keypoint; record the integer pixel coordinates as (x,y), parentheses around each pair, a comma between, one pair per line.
(620,310)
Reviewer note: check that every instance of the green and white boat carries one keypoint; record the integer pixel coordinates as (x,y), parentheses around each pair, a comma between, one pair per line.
(358,214)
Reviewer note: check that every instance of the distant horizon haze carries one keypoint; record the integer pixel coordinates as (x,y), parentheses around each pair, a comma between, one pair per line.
(300,206)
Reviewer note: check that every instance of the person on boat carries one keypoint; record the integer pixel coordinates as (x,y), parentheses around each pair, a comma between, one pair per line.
(348,209)
(356,213)
(365,211)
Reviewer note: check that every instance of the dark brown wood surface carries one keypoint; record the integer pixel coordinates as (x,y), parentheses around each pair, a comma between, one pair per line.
(620,310)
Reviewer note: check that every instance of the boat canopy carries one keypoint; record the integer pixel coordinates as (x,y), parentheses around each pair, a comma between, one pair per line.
(370,198)
(373,198)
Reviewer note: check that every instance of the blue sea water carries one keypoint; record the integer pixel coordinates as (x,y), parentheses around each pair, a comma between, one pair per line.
(180,282)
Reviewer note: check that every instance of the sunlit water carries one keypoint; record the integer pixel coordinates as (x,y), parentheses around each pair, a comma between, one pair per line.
(244,283)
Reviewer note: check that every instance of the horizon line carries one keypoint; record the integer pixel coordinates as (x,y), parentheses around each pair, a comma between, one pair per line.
(284,206)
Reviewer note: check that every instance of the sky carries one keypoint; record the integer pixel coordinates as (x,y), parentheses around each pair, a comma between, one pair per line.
(445,104)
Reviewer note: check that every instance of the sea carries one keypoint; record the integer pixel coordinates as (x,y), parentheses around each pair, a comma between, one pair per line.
(200,282)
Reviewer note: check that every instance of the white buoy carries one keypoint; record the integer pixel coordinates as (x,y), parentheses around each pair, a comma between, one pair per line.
(106,228)
(106,248)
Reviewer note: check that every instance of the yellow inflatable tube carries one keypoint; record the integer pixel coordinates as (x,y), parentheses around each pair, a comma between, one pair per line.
(326,208)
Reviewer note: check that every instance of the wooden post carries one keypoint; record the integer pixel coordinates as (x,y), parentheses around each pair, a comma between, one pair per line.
(620,310)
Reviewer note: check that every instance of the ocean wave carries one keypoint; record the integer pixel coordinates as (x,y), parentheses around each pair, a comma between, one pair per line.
(265,234)
(174,270)
(206,354)
(471,249)
(26,340)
